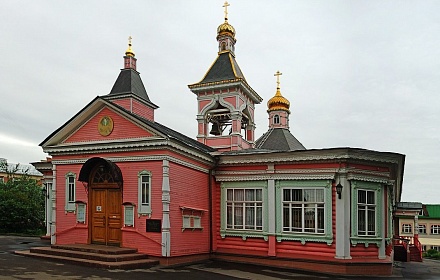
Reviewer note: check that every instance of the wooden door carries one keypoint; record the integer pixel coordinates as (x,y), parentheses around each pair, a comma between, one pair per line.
(106,216)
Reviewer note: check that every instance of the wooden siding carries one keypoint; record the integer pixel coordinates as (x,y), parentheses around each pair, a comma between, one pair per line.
(123,129)
(189,188)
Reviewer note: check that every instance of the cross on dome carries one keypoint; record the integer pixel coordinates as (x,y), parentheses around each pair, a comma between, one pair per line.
(226,9)
(278,74)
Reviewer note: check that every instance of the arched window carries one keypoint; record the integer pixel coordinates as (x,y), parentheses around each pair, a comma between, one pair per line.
(223,47)
(103,175)
(276,119)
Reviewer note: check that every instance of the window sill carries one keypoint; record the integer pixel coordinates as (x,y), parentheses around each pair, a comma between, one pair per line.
(306,237)
(192,228)
(366,240)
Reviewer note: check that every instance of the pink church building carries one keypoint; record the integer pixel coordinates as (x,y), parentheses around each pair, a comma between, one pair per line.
(121,178)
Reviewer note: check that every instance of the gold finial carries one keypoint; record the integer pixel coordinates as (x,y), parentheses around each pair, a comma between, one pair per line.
(129,51)
(226,9)
(278,74)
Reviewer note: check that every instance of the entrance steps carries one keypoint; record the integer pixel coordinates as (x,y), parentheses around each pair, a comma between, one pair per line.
(99,256)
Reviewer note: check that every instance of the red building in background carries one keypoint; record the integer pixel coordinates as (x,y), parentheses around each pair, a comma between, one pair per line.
(118,177)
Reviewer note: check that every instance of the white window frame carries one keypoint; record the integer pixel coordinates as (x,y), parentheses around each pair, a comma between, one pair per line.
(291,205)
(144,208)
(435,248)
(276,119)
(246,206)
(129,215)
(435,229)
(407,228)
(81,213)
(70,190)
(367,207)
(422,229)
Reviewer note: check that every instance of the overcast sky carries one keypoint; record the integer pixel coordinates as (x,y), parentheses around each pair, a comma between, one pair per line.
(362,74)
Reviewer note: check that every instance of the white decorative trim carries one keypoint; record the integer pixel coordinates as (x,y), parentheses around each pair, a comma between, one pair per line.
(140,158)
(264,177)
(315,155)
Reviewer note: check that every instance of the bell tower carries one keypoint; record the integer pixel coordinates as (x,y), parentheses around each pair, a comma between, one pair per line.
(226,102)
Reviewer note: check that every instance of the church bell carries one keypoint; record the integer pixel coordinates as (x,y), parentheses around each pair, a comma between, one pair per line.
(215,130)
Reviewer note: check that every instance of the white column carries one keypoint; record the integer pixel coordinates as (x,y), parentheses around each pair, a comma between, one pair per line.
(165,209)
(53,204)
(271,205)
(343,218)
(382,247)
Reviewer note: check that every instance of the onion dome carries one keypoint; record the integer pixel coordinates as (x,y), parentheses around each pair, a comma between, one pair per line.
(278,102)
(226,29)
(129,51)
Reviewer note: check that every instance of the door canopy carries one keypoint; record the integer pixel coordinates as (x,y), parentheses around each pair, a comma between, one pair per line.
(90,164)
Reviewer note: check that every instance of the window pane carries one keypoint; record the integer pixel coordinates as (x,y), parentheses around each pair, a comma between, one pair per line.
(259,195)
(297,195)
(229,215)
(319,195)
(286,195)
(362,196)
(286,218)
(239,195)
(361,221)
(230,195)
(250,216)
(370,197)
(238,216)
(309,195)
(250,195)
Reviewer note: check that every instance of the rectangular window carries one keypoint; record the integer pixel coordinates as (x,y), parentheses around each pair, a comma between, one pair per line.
(406,228)
(81,213)
(435,229)
(303,210)
(436,248)
(422,229)
(244,209)
(144,192)
(71,189)
(145,186)
(70,192)
(129,215)
(366,213)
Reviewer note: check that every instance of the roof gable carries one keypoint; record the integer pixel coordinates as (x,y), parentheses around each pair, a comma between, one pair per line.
(122,129)
(83,127)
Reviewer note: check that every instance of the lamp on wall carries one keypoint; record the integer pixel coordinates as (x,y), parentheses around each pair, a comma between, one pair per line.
(339,190)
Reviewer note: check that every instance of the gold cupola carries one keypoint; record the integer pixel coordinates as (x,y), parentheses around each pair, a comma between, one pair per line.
(278,102)
(225,28)
(129,51)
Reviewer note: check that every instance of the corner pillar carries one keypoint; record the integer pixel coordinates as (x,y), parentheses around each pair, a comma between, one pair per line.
(343,218)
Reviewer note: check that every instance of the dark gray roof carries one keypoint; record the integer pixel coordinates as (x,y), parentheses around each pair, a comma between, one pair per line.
(225,67)
(279,139)
(171,133)
(129,81)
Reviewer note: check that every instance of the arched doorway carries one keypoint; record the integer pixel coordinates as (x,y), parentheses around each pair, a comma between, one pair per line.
(104,182)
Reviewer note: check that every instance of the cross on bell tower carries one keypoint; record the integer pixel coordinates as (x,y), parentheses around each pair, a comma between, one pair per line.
(226,102)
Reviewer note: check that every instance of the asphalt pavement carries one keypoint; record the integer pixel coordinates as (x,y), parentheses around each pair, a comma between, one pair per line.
(18,267)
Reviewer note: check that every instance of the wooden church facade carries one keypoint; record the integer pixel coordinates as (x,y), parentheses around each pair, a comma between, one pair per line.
(121,178)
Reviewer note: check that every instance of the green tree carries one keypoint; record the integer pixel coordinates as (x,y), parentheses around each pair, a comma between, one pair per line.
(21,202)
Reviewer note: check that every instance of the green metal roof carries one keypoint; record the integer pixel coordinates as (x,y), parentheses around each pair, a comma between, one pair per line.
(433,211)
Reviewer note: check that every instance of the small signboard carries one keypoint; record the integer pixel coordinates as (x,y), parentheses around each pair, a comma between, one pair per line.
(154,225)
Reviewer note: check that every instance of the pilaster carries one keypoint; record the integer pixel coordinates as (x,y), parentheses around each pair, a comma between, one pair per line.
(343,218)
(165,209)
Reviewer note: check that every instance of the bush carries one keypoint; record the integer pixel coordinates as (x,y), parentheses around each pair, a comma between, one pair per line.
(21,206)
(433,254)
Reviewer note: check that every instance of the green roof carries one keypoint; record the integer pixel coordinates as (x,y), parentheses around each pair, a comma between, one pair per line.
(433,211)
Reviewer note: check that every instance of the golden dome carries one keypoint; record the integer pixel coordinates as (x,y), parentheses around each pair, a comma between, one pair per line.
(129,51)
(226,29)
(278,102)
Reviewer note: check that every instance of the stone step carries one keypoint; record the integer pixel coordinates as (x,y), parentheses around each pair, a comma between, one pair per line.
(88,255)
(93,248)
(128,264)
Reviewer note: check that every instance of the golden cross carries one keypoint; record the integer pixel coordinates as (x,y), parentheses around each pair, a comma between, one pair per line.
(129,40)
(226,9)
(278,74)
